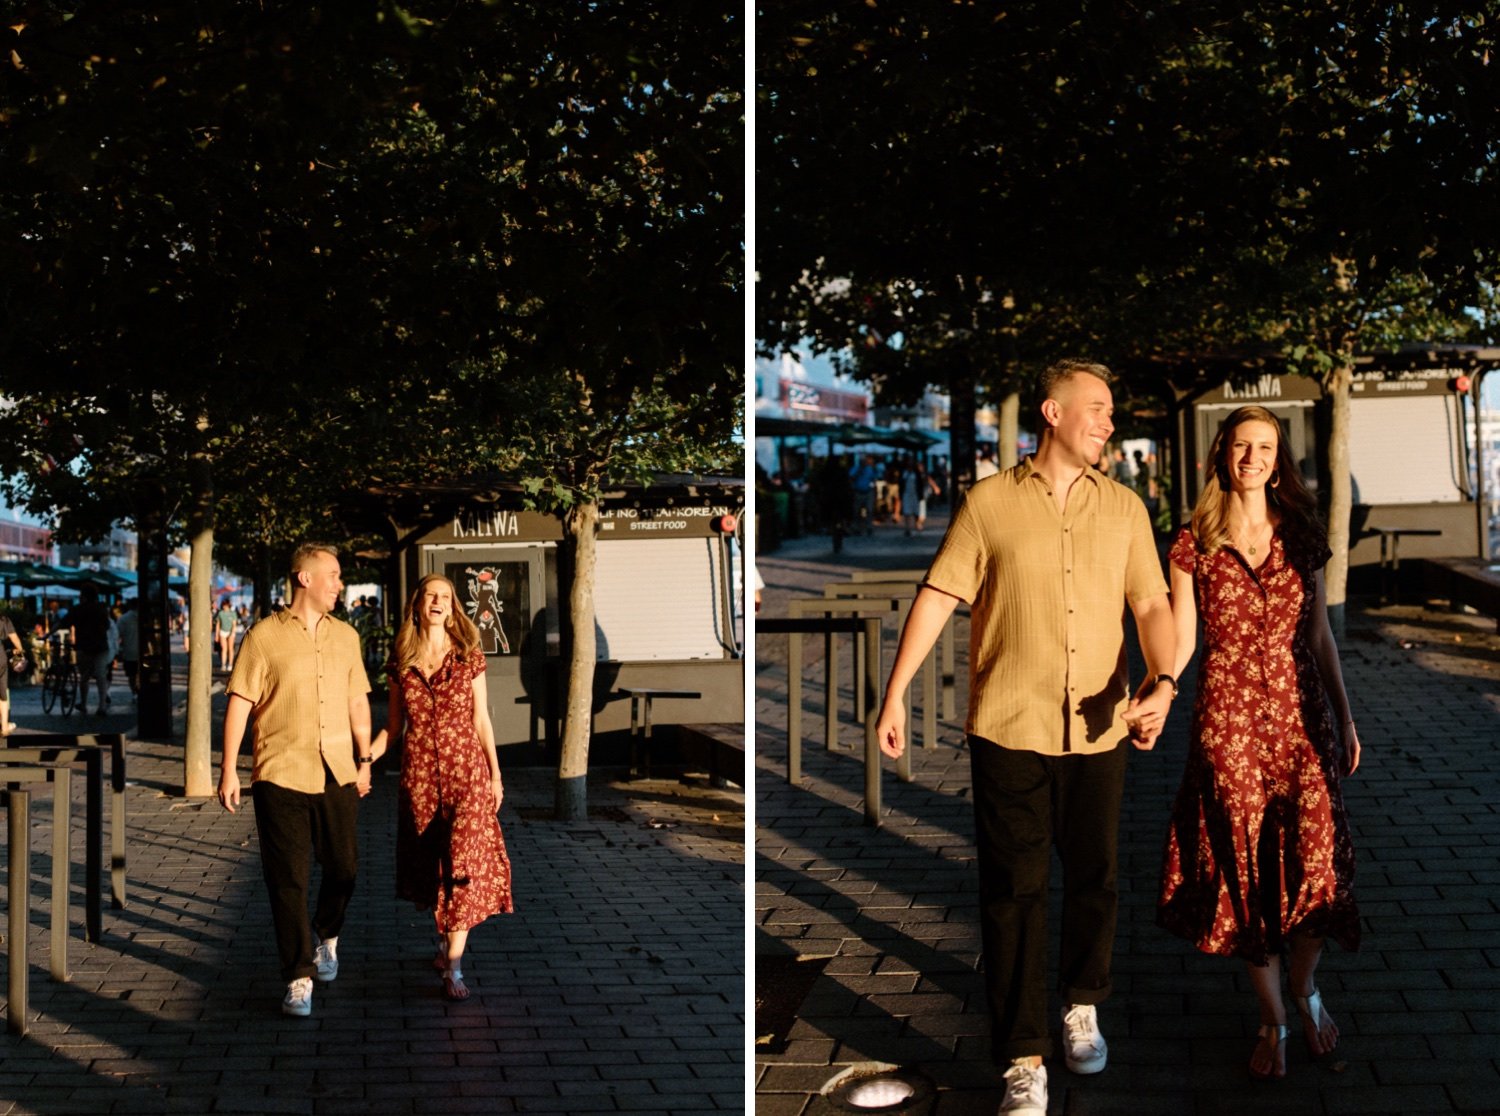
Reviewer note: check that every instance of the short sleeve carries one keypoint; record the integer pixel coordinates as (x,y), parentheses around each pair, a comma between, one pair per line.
(1184,551)
(1313,553)
(477,663)
(959,567)
(359,680)
(248,678)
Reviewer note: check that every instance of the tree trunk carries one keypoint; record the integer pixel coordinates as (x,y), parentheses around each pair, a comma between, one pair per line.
(263,580)
(580,526)
(1010,431)
(961,430)
(1338,386)
(198,755)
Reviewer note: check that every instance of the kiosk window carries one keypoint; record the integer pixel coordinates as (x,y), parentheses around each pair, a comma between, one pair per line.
(497,597)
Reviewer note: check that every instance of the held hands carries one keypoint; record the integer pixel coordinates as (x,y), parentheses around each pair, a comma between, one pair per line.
(362,779)
(1146,715)
(890,728)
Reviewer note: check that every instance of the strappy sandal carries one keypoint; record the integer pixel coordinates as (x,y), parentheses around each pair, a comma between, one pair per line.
(1310,1007)
(454,987)
(1275,1035)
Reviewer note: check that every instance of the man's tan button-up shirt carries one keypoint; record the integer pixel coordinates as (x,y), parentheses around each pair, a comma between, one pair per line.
(1048,590)
(300,683)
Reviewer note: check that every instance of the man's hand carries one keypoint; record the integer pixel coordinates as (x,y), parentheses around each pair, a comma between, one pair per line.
(890,728)
(362,780)
(1147,713)
(229,789)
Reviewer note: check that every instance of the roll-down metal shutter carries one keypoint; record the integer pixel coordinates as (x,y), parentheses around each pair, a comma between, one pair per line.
(1403,451)
(659,599)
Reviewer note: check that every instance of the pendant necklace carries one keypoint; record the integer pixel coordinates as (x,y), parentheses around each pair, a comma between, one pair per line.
(1251,549)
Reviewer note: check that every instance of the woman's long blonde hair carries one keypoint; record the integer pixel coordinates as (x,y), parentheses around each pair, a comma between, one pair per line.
(1288,496)
(460,628)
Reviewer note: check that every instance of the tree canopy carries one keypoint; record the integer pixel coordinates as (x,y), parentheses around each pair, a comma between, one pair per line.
(322,247)
(964,190)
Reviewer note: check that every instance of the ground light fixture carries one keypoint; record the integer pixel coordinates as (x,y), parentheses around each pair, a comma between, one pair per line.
(878,1087)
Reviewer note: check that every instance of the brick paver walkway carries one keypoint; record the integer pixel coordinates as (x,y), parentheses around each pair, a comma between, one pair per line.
(894,907)
(617,986)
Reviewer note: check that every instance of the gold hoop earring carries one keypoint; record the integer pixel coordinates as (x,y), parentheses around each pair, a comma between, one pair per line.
(1275,478)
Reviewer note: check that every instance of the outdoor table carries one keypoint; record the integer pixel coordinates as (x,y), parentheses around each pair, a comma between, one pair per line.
(89,749)
(640,715)
(18,837)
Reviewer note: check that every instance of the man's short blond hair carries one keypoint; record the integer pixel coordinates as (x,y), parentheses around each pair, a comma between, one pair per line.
(303,555)
(1061,371)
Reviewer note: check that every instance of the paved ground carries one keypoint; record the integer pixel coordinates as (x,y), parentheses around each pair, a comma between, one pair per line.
(892,909)
(617,986)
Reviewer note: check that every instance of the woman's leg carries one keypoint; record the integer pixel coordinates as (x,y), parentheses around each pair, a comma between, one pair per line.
(453,977)
(1269,1056)
(1302,966)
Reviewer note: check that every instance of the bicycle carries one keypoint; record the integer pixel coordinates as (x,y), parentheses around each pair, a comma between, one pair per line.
(60,681)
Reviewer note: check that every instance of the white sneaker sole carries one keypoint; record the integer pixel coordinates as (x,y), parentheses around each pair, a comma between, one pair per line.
(1086,1065)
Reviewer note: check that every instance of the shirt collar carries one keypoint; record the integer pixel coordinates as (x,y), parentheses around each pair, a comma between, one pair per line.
(1027,469)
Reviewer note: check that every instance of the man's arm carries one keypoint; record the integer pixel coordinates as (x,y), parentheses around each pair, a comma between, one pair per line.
(929,612)
(1147,711)
(236,717)
(359,726)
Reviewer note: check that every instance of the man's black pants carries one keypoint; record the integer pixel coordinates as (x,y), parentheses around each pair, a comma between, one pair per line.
(1024,804)
(296,828)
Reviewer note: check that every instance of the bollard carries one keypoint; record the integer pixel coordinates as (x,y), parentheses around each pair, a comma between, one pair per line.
(19,809)
(872,743)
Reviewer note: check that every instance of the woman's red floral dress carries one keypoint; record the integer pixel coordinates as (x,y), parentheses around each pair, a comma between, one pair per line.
(1259,843)
(450,853)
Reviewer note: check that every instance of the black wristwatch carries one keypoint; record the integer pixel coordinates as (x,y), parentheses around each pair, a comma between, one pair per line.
(1168,679)
(364,759)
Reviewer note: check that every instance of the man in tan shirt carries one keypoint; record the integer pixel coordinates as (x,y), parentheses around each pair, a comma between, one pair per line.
(301,673)
(1048,554)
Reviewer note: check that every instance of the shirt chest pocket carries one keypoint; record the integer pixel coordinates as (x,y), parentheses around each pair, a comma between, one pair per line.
(1104,541)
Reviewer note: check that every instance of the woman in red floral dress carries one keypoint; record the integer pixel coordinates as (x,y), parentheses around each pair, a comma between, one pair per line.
(450,853)
(1258,859)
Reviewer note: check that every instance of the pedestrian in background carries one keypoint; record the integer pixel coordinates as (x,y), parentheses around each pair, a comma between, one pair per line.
(1259,861)
(302,675)
(10,648)
(862,480)
(916,487)
(1049,554)
(450,852)
(93,635)
(226,623)
(128,627)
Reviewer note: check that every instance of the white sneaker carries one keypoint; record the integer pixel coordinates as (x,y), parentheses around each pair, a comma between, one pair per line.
(327,959)
(1084,1049)
(1025,1090)
(298,997)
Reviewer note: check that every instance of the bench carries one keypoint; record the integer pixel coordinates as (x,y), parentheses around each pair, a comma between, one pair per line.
(1466,581)
(718,749)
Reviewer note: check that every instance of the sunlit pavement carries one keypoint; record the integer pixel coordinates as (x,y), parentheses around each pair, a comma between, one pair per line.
(618,984)
(893,908)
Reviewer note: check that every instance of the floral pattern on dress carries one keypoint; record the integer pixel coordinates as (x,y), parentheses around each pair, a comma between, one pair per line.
(1259,842)
(450,852)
